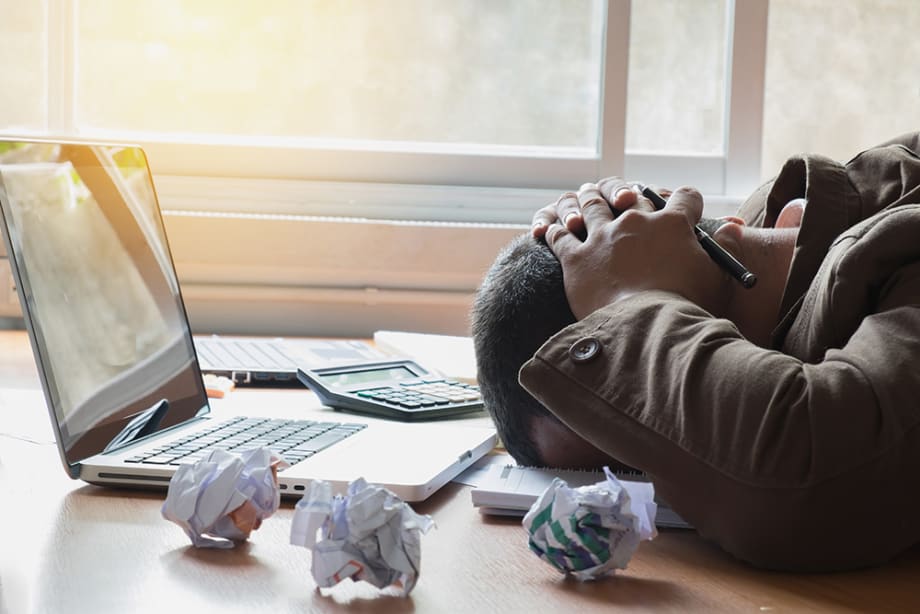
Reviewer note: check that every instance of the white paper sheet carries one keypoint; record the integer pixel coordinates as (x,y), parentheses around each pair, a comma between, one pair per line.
(220,499)
(592,530)
(369,534)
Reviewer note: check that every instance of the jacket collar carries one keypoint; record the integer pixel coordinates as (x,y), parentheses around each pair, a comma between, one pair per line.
(832,207)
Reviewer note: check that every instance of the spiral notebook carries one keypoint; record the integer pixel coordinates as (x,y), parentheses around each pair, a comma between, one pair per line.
(510,490)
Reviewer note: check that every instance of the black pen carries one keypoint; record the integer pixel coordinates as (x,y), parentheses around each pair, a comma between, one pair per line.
(718,253)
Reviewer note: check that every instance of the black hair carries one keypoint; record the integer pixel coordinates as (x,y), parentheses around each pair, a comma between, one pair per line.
(519,305)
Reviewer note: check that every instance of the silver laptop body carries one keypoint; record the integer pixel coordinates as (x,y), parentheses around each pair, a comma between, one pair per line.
(260,360)
(114,351)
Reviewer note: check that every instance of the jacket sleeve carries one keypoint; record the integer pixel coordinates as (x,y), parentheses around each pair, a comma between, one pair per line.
(755,448)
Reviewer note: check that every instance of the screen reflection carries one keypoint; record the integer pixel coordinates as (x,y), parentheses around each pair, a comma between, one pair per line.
(100,292)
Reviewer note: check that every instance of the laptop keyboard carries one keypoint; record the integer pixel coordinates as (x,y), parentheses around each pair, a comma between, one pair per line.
(295,440)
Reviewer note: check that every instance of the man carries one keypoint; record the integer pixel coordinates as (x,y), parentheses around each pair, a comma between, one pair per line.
(781,421)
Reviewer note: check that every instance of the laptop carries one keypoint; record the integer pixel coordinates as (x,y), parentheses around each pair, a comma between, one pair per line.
(116,357)
(259,360)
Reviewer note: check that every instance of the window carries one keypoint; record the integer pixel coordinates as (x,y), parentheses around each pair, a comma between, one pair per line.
(664,68)
(24,77)
(350,166)
(840,76)
(464,75)
(527,94)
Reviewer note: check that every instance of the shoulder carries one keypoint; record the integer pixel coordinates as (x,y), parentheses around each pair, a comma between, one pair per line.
(870,257)
(889,235)
(871,267)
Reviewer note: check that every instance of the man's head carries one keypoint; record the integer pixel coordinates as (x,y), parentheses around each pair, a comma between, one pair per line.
(520,304)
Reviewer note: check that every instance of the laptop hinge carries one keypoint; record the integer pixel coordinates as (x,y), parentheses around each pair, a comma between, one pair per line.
(146,439)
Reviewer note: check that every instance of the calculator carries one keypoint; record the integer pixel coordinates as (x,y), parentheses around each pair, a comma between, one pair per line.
(398,389)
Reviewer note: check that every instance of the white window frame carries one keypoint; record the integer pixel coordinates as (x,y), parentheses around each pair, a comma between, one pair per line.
(449,209)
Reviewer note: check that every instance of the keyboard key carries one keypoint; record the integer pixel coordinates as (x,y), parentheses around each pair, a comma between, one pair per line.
(321,442)
(161,459)
(296,440)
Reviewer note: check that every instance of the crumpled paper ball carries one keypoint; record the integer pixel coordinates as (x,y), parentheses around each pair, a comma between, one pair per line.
(592,530)
(223,497)
(368,534)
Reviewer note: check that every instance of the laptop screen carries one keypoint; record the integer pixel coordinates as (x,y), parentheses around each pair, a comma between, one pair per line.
(99,292)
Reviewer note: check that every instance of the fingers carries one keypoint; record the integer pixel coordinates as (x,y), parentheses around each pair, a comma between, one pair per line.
(542,219)
(617,192)
(590,208)
(561,240)
(687,201)
(594,208)
(623,195)
(565,210)
(569,211)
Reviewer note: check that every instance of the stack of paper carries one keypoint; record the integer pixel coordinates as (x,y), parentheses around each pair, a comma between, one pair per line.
(451,356)
(510,490)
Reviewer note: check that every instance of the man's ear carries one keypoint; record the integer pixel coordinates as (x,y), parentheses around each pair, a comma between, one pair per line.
(731,229)
(791,215)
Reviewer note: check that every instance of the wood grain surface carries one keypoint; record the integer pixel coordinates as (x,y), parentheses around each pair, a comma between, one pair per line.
(70,547)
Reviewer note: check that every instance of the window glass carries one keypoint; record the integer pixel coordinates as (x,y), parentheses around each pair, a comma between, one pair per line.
(840,76)
(677,67)
(522,73)
(23,77)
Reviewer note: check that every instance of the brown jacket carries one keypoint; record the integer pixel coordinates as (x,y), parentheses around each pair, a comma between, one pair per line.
(801,457)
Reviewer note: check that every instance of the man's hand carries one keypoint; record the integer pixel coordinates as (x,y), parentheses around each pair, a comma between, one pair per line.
(635,251)
(615,193)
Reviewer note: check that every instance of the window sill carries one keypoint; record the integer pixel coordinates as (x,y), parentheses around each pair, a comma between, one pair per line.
(259,256)
(283,274)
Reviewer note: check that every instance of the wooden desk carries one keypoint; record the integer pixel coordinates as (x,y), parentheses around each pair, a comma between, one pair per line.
(69,547)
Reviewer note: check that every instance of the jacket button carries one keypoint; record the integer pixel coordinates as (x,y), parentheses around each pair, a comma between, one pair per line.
(584,349)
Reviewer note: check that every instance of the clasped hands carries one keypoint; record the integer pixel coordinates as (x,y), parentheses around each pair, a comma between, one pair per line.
(612,244)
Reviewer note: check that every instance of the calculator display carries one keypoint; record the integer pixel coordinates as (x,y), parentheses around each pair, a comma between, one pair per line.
(368,376)
(399,389)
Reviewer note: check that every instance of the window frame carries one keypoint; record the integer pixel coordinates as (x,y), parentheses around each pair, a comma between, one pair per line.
(441,200)
(436,164)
